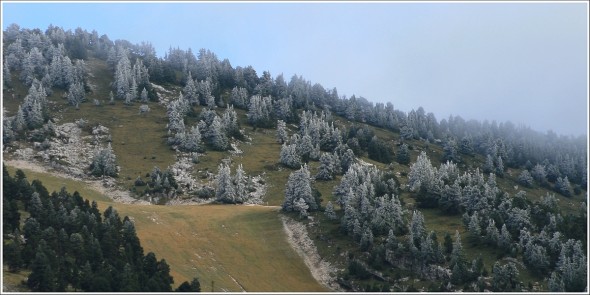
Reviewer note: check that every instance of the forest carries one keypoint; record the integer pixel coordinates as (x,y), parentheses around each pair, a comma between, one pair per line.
(366,172)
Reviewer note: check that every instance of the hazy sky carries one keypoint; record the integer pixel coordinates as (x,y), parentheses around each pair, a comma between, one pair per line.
(523,62)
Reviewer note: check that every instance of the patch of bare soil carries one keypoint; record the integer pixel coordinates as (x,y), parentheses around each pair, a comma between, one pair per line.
(298,238)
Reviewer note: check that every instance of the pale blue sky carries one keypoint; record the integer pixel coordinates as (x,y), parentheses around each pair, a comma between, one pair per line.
(523,62)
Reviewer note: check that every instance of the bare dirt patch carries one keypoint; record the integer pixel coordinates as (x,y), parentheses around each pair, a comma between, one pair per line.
(299,240)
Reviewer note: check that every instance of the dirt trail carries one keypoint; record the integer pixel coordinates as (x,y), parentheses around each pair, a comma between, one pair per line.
(299,240)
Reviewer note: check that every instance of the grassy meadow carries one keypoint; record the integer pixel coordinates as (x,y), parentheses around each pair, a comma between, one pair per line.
(234,247)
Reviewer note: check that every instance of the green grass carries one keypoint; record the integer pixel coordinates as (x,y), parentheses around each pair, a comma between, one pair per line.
(210,242)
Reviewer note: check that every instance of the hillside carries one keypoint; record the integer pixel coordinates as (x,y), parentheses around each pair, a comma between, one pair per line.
(208,160)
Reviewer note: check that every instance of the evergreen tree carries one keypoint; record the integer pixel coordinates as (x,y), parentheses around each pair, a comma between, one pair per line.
(289,156)
(539,174)
(525,178)
(500,167)
(474,227)
(144,95)
(504,240)
(241,184)
(403,154)
(505,277)
(489,165)
(329,212)
(225,191)
(299,186)
(417,228)
(562,186)
(300,206)
(193,286)
(492,233)
(328,167)
(104,162)
(450,198)
(218,137)
(19,124)
(450,151)
(282,134)
(458,261)
(76,94)
(192,141)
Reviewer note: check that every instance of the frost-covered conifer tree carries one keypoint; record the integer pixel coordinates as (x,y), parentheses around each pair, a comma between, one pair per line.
(500,167)
(488,167)
(239,97)
(300,206)
(260,111)
(492,234)
(241,184)
(417,228)
(422,175)
(104,162)
(289,156)
(525,178)
(282,134)
(225,191)
(230,122)
(218,138)
(539,174)
(190,90)
(403,154)
(144,95)
(192,140)
(76,94)
(562,186)
(329,212)
(299,186)
(328,167)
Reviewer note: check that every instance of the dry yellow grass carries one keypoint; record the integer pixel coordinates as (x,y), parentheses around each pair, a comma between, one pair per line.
(225,244)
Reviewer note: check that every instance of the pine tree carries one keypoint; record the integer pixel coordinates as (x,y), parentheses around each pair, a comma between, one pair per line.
(458,261)
(218,137)
(474,227)
(241,184)
(104,162)
(299,186)
(500,167)
(75,94)
(6,76)
(329,212)
(417,228)
(144,95)
(190,90)
(505,277)
(450,198)
(192,141)
(282,134)
(300,206)
(225,191)
(525,178)
(539,174)
(489,165)
(505,239)
(289,156)
(403,154)
(562,186)
(328,167)
(450,151)
(492,234)
(19,123)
